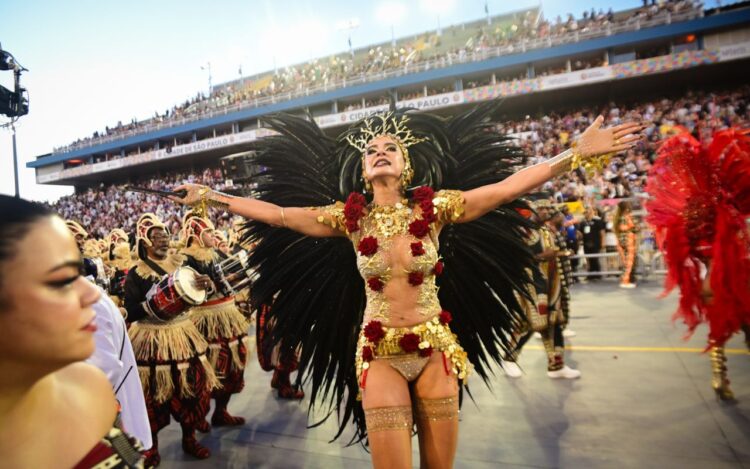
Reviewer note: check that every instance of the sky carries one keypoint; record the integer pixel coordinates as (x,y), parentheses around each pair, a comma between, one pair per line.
(94,63)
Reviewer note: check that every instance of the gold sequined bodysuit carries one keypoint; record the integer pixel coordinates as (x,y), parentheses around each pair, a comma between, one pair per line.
(388,227)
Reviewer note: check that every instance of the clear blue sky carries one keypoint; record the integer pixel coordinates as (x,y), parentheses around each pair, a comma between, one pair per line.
(93,63)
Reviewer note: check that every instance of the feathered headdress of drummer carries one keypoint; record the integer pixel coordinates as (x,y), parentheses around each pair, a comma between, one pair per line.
(78,232)
(193,227)
(145,224)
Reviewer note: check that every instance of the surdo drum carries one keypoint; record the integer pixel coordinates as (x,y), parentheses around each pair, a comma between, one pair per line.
(174,294)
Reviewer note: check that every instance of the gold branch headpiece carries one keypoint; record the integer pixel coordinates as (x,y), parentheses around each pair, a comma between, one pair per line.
(384,124)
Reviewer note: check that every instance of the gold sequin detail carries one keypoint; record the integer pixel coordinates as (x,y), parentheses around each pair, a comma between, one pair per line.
(445,408)
(431,333)
(389,418)
(332,215)
(409,365)
(449,205)
(386,221)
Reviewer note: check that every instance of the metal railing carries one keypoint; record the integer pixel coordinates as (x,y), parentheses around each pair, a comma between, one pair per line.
(430,64)
(648,263)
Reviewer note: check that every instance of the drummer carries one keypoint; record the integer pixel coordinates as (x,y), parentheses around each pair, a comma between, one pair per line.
(118,260)
(170,352)
(218,319)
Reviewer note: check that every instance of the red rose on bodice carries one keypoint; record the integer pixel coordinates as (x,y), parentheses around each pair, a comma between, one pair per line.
(423,193)
(409,342)
(417,249)
(438,269)
(375,284)
(368,246)
(353,210)
(428,211)
(416,278)
(445,317)
(374,331)
(367,354)
(419,228)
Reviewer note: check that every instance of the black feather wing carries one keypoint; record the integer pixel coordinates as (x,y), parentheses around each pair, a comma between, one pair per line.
(485,260)
(316,294)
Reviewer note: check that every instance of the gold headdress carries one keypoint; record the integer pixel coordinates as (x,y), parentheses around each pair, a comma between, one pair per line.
(77,230)
(193,226)
(390,125)
(116,236)
(144,224)
(114,239)
(91,249)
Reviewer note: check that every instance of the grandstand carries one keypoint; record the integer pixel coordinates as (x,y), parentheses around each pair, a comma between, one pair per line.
(536,65)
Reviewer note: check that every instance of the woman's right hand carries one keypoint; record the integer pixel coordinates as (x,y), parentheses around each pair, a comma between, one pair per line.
(192,196)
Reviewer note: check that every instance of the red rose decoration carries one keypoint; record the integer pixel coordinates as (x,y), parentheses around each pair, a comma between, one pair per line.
(352,212)
(416,278)
(445,317)
(375,284)
(368,246)
(409,342)
(367,354)
(438,269)
(417,249)
(419,228)
(374,332)
(353,209)
(352,226)
(425,352)
(356,198)
(428,212)
(423,193)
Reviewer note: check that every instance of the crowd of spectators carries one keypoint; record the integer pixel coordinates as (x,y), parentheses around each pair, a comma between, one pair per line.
(338,69)
(697,111)
(103,208)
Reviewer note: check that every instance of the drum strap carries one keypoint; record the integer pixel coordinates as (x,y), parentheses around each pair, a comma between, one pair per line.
(154,266)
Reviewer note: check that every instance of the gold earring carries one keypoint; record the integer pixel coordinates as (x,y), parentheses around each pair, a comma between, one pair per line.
(368,185)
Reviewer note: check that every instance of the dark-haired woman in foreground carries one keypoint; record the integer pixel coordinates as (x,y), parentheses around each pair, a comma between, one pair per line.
(49,398)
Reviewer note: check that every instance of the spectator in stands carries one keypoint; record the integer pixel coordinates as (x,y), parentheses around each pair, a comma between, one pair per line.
(570,231)
(593,231)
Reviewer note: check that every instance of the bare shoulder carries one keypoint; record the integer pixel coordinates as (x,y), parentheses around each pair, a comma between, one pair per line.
(89,390)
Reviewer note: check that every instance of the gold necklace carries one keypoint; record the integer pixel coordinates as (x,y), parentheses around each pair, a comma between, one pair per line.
(389,220)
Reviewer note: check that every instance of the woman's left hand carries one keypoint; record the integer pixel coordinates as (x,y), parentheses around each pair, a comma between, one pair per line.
(595,141)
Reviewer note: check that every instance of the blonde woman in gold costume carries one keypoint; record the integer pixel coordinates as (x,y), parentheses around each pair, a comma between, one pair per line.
(397,256)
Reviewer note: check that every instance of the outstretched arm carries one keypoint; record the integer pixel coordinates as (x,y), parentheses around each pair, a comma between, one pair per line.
(593,142)
(302,220)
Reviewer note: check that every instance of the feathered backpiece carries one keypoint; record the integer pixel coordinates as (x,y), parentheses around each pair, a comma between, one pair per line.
(316,294)
(700,199)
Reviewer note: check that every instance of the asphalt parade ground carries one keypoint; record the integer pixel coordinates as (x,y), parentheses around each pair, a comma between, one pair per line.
(644,401)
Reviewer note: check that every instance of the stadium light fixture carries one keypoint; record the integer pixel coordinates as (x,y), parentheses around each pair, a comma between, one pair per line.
(210,85)
(13,104)
(348,26)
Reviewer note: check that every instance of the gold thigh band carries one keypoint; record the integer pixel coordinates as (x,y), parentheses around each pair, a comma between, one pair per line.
(445,408)
(388,418)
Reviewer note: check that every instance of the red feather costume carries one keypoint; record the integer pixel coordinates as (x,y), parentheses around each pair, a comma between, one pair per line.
(700,199)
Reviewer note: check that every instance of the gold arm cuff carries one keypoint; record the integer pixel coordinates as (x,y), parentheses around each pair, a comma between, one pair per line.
(209,198)
(566,161)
